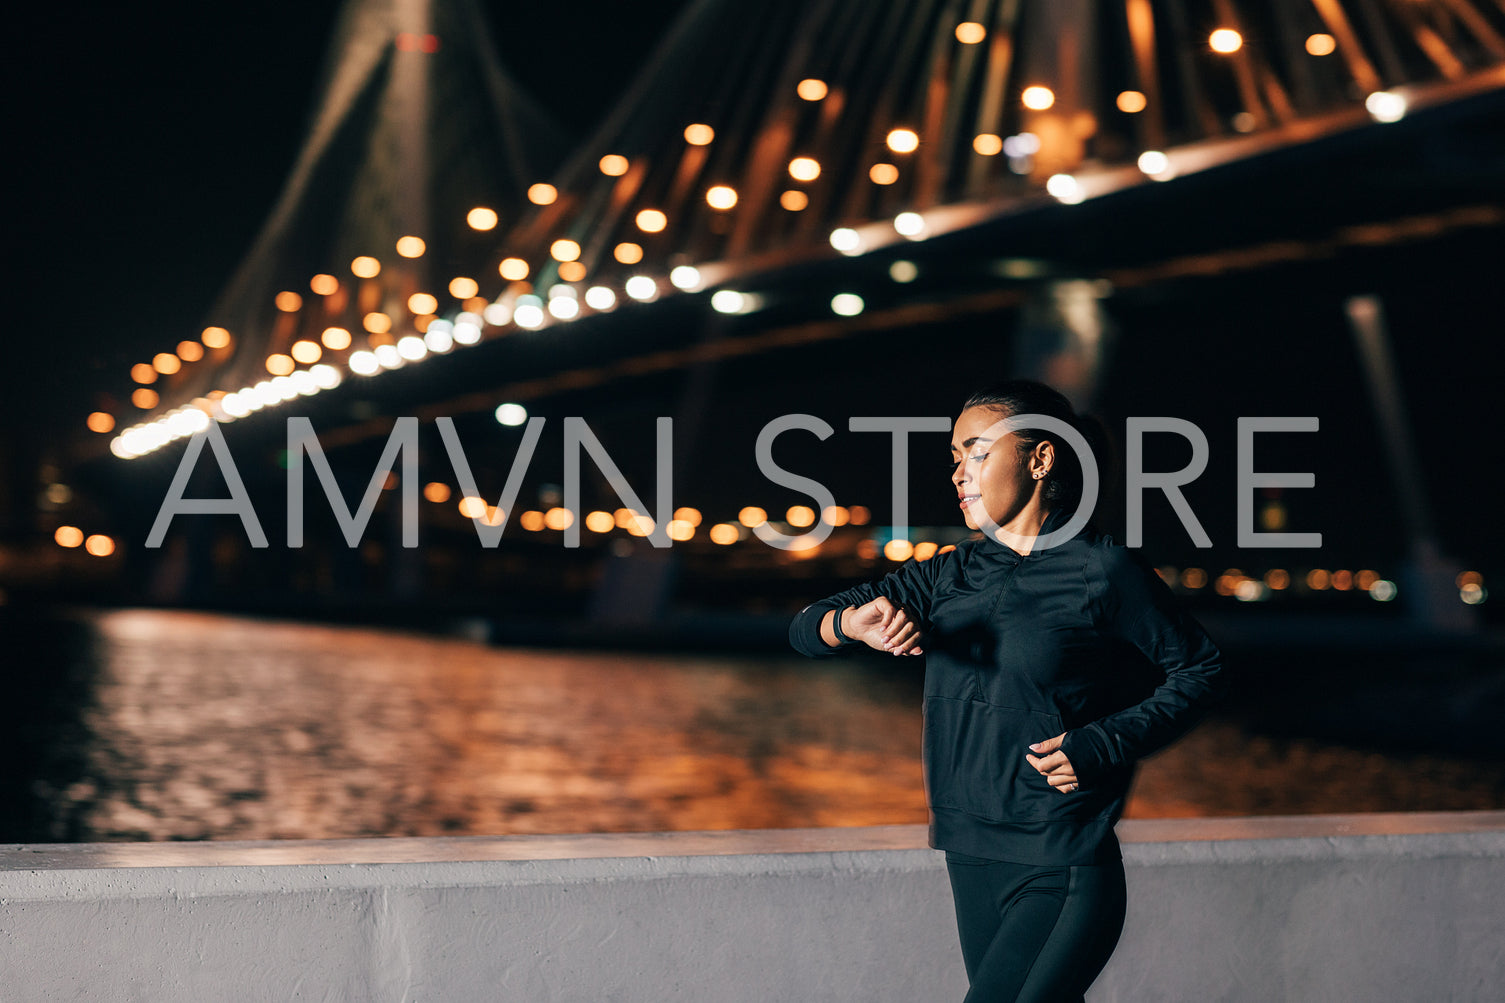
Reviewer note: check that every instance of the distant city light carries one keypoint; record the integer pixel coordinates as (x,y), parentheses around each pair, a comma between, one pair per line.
(68,536)
(388,357)
(365,267)
(752,516)
(721,197)
(1383,591)
(411,247)
(613,165)
(651,220)
(215,337)
(564,250)
(970,33)
(642,288)
(600,298)
(1154,163)
(903,140)
(727,301)
(987,144)
(468,328)
(903,271)
(1225,40)
(142,372)
(794,200)
(423,303)
(279,364)
(910,224)
(1321,44)
(883,174)
(288,301)
(190,351)
(511,414)
(440,337)
(306,351)
(100,421)
(800,516)
(1386,106)
(1065,188)
(377,323)
(166,363)
(811,89)
(564,307)
(542,194)
(462,287)
(1131,102)
(513,269)
(846,240)
(846,304)
(100,545)
(699,134)
(481,218)
(495,314)
(898,550)
(1025,144)
(628,253)
(1037,98)
(685,277)
(528,312)
(804,168)
(325,376)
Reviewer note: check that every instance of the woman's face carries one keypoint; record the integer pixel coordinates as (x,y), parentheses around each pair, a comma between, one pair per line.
(991,477)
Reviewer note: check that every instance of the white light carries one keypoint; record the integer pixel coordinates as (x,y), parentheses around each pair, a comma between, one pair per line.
(529,315)
(325,375)
(642,288)
(1471,594)
(1386,106)
(233,406)
(727,301)
(388,357)
(910,224)
(439,325)
(903,271)
(364,363)
(304,383)
(412,348)
(686,277)
(439,339)
(1065,188)
(1026,144)
(120,449)
(1383,590)
(600,298)
(467,333)
(511,414)
(256,397)
(564,307)
(495,314)
(847,304)
(284,388)
(1154,163)
(846,240)
(1250,590)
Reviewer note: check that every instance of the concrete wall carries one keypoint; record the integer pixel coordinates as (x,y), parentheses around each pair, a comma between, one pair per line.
(1371,907)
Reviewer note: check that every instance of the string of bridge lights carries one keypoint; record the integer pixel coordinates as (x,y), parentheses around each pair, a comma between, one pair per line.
(520,306)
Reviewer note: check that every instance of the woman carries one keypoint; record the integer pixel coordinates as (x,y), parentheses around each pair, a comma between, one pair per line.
(1036,706)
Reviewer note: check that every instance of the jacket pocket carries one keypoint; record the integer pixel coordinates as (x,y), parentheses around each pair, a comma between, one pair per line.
(974,759)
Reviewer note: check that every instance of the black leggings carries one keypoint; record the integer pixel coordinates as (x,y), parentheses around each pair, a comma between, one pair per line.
(1040,934)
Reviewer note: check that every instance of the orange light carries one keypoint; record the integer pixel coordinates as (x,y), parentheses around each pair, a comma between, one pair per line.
(215,337)
(903,140)
(411,247)
(1277,578)
(628,253)
(324,285)
(142,372)
(883,174)
(559,518)
(689,515)
(306,352)
(190,351)
(681,530)
(472,507)
(1193,578)
(724,533)
(600,522)
(925,551)
(100,421)
(100,545)
(613,165)
(624,517)
(481,218)
(752,516)
(144,397)
(1342,580)
(1320,44)
(721,197)
(987,144)
(279,364)
(811,89)
(800,516)
(377,323)
(1225,40)
(804,169)
(835,515)
(699,134)
(860,515)
(898,550)
(531,521)
(462,288)
(970,33)
(365,267)
(513,269)
(288,301)
(436,492)
(571,271)
(68,536)
(422,303)
(794,200)
(166,363)
(1131,102)
(542,194)
(651,221)
(1038,98)
(564,250)
(1317,579)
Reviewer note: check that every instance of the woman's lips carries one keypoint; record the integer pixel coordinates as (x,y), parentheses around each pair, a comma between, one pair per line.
(967,500)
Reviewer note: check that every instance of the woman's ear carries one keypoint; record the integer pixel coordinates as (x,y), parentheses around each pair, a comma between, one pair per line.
(1044,457)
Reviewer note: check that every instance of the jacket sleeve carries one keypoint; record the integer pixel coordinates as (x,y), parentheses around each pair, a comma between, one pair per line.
(910,586)
(1136,606)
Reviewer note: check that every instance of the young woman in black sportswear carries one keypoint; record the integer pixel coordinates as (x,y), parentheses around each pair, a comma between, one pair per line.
(1054,660)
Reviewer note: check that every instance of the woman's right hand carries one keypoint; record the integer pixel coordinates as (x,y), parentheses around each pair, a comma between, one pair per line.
(884,626)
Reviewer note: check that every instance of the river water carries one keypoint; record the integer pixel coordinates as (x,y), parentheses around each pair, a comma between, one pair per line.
(152,725)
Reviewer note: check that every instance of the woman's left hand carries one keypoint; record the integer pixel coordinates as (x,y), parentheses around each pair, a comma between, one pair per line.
(1053,764)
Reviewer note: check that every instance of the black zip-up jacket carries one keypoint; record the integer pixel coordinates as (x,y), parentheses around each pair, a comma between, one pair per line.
(1019,649)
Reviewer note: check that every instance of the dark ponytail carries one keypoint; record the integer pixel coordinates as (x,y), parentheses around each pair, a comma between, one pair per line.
(1064,486)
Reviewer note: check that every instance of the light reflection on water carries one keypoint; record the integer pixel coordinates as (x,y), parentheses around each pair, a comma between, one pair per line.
(208,726)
